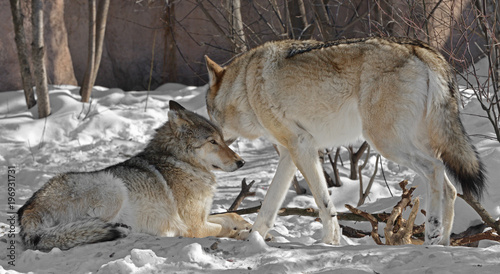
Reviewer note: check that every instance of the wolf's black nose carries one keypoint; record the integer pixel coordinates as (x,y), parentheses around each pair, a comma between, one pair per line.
(240,163)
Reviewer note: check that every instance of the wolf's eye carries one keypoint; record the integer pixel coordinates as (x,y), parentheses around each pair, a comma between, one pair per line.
(213,142)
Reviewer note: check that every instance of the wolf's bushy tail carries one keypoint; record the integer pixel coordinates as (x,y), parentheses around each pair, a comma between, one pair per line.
(449,139)
(68,235)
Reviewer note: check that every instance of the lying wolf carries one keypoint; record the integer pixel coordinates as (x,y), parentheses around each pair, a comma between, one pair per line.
(398,94)
(165,190)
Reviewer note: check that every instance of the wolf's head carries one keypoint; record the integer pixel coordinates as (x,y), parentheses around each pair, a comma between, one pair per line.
(227,104)
(198,141)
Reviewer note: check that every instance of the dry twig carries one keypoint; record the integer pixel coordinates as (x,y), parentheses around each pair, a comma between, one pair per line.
(245,192)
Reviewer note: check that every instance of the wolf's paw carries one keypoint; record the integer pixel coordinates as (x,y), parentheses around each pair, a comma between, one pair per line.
(434,240)
(433,231)
(244,234)
(122,230)
(331,240)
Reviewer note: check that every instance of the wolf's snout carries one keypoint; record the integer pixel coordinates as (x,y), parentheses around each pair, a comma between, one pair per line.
(240,163)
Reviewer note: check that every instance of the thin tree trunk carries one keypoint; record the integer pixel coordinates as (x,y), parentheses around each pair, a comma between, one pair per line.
(102,17)
(323,22)
(97,30)
(298,26)
(169,54)
(237,32)
(22,53)
(38,53)
(297,20)
(86,86)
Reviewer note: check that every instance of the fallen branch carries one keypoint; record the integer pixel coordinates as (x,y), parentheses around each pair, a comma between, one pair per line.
(352,232)
(488,235)
(398,231)
(485,216)
(371,218)
(309,212)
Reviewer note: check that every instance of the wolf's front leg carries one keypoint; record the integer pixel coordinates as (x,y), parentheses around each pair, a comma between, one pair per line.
(275,194)
(306,159)
(231,224)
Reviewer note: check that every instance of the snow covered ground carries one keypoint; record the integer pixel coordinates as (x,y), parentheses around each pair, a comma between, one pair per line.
(85,137)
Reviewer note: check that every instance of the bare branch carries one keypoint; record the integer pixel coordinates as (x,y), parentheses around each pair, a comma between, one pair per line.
(310,212)
(488,235)
(485,216)
(364,195)
(213,21)
(373,221)
(245,192)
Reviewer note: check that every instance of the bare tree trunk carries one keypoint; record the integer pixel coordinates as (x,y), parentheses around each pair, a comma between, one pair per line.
(38,52)
(497,46)
(102,17)
(298,27)
(236,24)
(325,26)
(22,53)
(97,29)
(169,54)
(86,87)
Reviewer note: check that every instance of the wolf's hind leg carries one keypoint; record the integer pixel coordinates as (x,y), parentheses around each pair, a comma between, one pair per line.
(401,149)
(106,199)
(450,194)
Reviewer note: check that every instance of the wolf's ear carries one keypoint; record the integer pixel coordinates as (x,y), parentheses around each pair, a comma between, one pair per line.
(173,105)
(178,120)
(215,72)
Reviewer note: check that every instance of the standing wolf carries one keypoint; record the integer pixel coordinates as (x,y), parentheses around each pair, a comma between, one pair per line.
(165,190)
(398,94)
